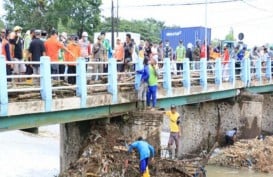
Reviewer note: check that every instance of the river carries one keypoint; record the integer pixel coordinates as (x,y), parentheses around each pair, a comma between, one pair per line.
(27,155)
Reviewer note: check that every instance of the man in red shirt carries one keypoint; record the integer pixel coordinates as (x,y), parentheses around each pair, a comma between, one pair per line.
(5,50)
(52,47)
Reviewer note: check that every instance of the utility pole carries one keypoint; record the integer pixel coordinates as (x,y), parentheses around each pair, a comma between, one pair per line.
(206,28)
(112,18)
(117,17)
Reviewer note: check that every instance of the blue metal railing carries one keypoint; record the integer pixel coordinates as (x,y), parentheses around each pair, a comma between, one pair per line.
(247,76)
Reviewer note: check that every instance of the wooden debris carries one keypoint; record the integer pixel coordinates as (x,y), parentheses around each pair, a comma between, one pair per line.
(254,153)
(91,175)
(29,95)
(120,148)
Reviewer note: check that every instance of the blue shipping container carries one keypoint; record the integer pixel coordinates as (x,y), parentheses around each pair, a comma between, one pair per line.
(187,35)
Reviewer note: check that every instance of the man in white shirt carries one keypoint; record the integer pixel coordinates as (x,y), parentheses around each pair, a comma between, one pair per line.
(230,136)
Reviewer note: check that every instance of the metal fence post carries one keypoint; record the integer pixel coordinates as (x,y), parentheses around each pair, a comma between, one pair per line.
(46,87)
(186,75)
(113,79)
(3,87)
(81,81)
(259,70)
(249,71)
(232,72)
(167,77)
(269,70)
(139,66)
(218,73)
(245,72)
(203,74)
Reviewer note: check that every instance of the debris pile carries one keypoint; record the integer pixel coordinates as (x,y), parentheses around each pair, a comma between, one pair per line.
(254,153)
(106,156)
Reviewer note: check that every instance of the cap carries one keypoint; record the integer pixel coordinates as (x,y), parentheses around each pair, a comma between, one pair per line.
(38,32)
(173,106)
(64,34)
(17,28)
(44,33)
(84,34)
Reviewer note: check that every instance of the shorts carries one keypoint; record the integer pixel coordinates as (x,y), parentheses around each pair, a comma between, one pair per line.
(120,66)
(18,67)
(128,60)
(143,165)
(174,137)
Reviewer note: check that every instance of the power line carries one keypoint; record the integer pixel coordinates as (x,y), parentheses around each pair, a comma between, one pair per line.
(256,7)
(179,4)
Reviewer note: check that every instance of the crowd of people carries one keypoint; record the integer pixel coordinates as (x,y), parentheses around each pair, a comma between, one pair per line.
(60,47)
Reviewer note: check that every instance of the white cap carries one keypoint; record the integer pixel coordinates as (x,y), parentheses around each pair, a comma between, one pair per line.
(189,46)
(84,34)
(64,34)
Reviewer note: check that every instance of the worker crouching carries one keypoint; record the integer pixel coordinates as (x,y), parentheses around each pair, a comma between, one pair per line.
(145,151)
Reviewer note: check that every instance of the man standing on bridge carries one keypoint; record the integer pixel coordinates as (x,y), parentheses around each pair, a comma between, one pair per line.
(175,133)
(145,151)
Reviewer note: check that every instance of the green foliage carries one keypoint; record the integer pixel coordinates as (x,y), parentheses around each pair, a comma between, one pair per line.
(79,15)
(30,13)
(148,28)
(82,15)
(230,35)
(2,25)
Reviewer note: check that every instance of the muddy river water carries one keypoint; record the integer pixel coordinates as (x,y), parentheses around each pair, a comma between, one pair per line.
(27,155)
(213,171)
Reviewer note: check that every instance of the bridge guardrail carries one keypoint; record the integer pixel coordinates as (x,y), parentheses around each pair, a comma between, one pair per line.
(247,71)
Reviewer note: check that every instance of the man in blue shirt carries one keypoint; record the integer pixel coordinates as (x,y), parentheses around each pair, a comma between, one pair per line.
(145,151)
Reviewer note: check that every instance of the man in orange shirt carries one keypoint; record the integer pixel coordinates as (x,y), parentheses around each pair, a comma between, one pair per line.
(225,64)
(52,47)
(119,54)
(75,49)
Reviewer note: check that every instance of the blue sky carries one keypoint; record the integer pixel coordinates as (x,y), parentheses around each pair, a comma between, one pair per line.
(252,17)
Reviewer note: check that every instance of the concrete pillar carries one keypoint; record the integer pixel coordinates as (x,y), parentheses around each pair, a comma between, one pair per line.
(72,138)
(251,115)
(147,124)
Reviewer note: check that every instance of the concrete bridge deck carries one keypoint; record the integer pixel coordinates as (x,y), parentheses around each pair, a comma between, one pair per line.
(206,85)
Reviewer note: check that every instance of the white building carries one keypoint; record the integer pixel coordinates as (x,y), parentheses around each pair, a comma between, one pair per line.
(121,35)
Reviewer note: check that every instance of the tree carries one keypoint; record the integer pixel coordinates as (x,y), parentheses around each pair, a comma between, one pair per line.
(2,24)
(30,13)
(230,35)
(149,29)
(82,15)
(79,15)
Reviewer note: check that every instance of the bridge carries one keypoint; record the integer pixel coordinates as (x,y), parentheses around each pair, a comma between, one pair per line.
(94,99)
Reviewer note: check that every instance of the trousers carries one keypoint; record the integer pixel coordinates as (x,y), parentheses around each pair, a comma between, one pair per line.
(151,95)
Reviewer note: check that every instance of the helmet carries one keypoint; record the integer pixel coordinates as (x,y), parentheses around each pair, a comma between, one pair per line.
(17,28)
(84,34)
